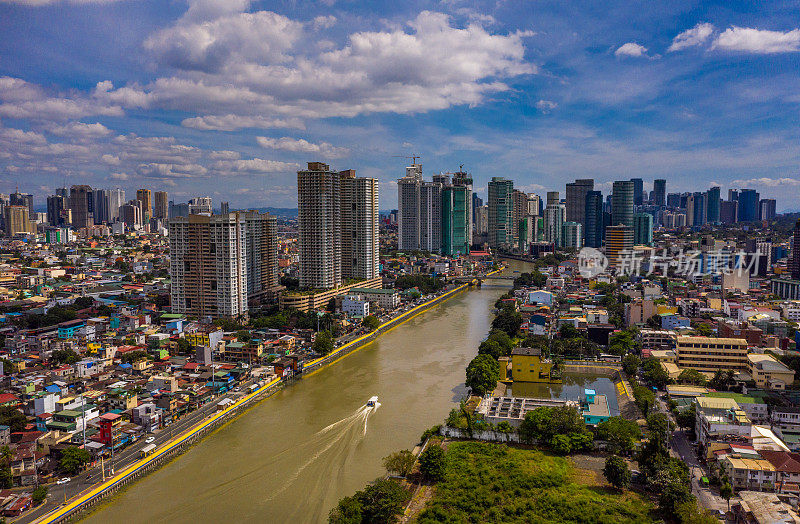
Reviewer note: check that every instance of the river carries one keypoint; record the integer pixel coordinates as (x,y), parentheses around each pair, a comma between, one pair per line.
(292,456)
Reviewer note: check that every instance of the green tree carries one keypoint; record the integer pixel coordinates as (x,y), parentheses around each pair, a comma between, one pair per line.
(244,336)
(347,511)
(371,322)
(692,377)
(621,434)
(323,342)
(726,492)
(543,423)
(73,459)
(400,463)
(64,356)
(382,501)
(508,320)
(617,473)
(686,418)
(630,364)
(654,373)
(13,418)
(492,348)
(432,463)
(561,444)
(483,372)
(645,398)
(39,494)
(659,427)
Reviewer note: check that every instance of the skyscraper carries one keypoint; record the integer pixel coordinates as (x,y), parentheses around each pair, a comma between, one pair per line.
(116,197)
(456,213)
(319,224)
(131,214)
(619,239)
(674,200)
(408,209)
(696,209)
(81,203)
(659,191)
(728,211)
(430,214)
(261,232)
(161,207)
(733,195)
(622,198)
(100,206)
(145,197)
(23,199)
(796,252)
(766,209)
(477,202)
(208,265)
(748,205)
(593,235)
(201,205)
(519,211)
(638,187)
(643,229)
(224,207)
(712,205)
(500,212)
(56,205)
(571,235)
(359,226)
(576,199)
(17,220)
(554,219)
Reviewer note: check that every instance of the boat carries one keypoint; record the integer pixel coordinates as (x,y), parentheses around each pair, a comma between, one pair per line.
(372,401)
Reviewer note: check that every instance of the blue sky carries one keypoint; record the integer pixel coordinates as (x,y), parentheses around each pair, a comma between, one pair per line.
(228,98)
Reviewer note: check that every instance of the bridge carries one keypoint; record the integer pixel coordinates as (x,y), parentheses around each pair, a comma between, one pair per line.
(477,279)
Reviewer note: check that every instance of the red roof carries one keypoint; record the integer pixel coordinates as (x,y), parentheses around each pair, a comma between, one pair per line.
(783,460)
(110,416)
(191,365)
(8,397)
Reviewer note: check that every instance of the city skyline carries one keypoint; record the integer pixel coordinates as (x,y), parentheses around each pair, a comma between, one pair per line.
(544,95)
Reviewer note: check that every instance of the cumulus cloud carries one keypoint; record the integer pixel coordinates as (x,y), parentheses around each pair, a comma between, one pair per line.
(79,130)
(38,3)
(253,166)
(692,37)
(323,22)
(631,49)
(758,41)
(545,106)
(767,182)
(302,146)
(21,99)
(232,122)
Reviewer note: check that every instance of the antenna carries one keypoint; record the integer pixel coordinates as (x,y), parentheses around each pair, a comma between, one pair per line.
(413,157)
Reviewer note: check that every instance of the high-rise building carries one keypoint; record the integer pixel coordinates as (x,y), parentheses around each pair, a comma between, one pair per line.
(500,199)
(622,203)
(643,229)
(208,265)
(23,199)
(430,214)
(638,188)
(81,204)
(116,197)
(17,220)
(200,206)
(733,195)
(145,197)
(261,231)
(728,211)
(519,210)
(712,205)
(131,214)
(224,207)
(766,209)
(477,202)
(534,205)
(482,220)
(748,205)
(594,219)
(360,240)
(456,215)
(408,209)
(319,224)
(674,200)
(178,210)
(796,252)
(576,199)
(62,191)
(100,206)
(161,205)
(554,215)
(659,192)
(56,207)
(572,235)
(619,239)
(696,210)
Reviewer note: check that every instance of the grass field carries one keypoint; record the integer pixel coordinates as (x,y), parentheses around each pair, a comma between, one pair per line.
(496,483)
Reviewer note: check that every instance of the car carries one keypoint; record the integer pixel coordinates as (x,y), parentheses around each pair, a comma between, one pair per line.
(63,481)
(149,440)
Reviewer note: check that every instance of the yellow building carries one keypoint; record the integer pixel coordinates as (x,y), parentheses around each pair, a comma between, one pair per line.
(768,372)
(527,365)
(711,353)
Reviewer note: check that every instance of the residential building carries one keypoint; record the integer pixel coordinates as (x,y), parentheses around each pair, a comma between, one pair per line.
(554,219)
(319,225)
(360,254)
(17,220)
(200,206)
(719,417)
(456,213)
(145,197)
(500,203)
(748,472)
(408,209)
(643,229)
(81,205)
(594,226)
(386,299)
(619,240)
(659,192)
(430,214)
(576,200)
(355,306)
(261,232)
(161,205)
(710,354)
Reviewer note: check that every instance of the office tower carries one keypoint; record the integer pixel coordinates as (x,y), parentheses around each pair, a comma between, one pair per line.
(56,206)
(200,206)
(456,215)
(500,212)
(116,198)
(224,208)
(81,204)
(619,240)
(766,209)
(23,199)
(593,234)
(795,261)
(572,235)
(408,209)
(430,214)
(131,214)
(519,210)
(178,210)
(208,265)
(17,220)
(62,191)
(482,220)
(659,192)
(261,232)
(360,240)
(748,205)
(100,206)
(712,205)
(733,195)
(145,197)
(576,199)
(534,205)
(319,225)
(477,202)
(643,229)
(161,205)
(696,210)
(554,219)
(638,187)
(622,203)
(674,200)
(728,211)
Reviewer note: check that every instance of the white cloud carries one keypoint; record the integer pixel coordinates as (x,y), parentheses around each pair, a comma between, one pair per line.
(110,160)
(232,122)
(631,49)
(692,37)
(38,3)
(253,165)
(759,41)
(767,182)
(118,176)
(323,22)
(21,99)
(302,146)
(79,130)
(545,106)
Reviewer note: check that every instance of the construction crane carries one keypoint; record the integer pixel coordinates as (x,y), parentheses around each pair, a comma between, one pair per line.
(412,157)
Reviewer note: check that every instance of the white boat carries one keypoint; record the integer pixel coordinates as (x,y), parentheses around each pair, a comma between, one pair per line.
(372,401)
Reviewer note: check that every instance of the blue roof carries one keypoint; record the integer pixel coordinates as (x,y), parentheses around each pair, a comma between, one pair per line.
(589,392)
(125,366)
(52,388)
